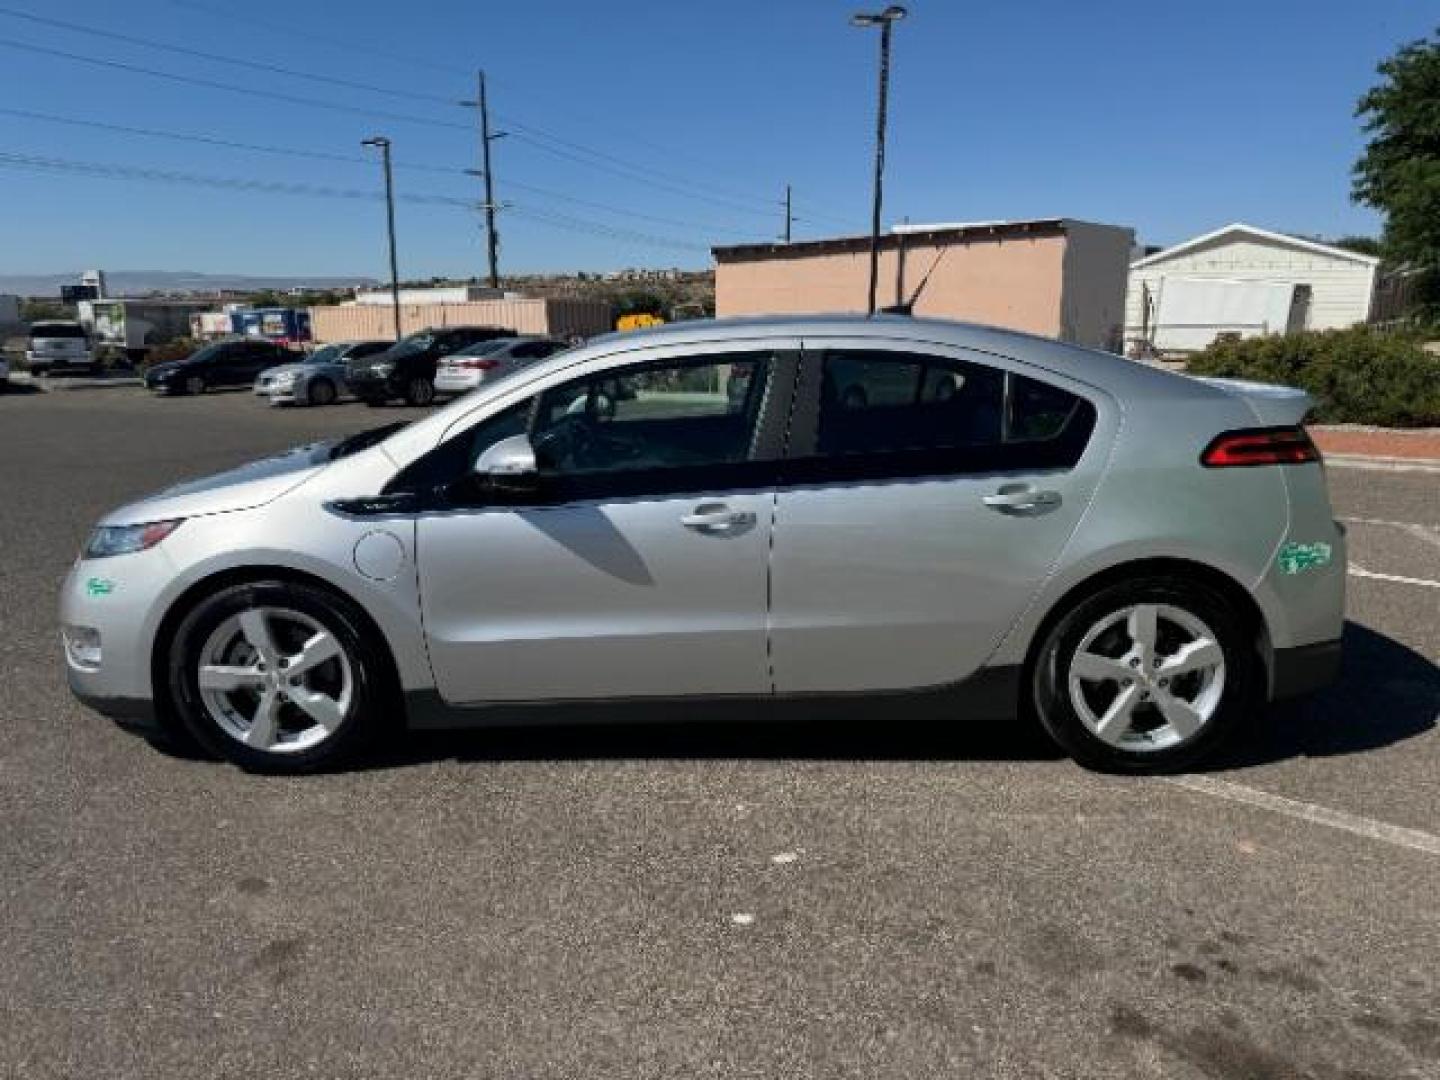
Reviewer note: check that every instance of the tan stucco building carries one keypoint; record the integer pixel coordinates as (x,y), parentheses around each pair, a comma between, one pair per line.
(1057,277)
(560,317)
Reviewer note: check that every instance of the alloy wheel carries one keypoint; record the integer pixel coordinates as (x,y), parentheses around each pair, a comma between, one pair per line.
(275,680)
(194,385)
(1148,677)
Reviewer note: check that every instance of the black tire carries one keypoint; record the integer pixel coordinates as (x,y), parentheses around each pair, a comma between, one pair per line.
(194,384)
(420,391)
(321,392)
(1051,674)
(340,617)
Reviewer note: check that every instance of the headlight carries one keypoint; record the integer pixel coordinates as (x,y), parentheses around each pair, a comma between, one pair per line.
(383,369)
(288,379)
(110,540)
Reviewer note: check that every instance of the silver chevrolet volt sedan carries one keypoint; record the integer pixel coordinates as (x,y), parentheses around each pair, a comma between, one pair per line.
(751,512)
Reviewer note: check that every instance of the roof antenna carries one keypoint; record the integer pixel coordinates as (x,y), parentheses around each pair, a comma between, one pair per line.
(908,307)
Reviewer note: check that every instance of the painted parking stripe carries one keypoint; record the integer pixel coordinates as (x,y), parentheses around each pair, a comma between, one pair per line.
(1429,533)
(1398,579)
(1369,828)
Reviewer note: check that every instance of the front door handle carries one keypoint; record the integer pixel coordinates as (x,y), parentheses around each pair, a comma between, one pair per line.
(1021,497)
(716,517)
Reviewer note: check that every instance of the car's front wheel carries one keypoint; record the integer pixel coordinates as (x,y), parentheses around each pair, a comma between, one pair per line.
(420,391)
(322,392)
(194,385)
(277,676)
(1145,676)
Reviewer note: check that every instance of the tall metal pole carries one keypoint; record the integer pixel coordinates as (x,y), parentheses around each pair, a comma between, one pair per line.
(886,21)
(492,241)
(788,216)
(384,146)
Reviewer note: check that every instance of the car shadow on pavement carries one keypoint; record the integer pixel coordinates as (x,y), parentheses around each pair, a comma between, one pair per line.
(8,386)
(795,731)
(1387,693)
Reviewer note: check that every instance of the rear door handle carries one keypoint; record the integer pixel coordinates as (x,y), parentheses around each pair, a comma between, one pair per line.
(716,517)
(1021,498)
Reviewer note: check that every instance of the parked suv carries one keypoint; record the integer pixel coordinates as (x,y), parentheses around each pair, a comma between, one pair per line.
(59,346)
(407,369)
(225,363)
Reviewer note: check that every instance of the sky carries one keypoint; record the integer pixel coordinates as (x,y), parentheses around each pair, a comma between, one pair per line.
(643,133)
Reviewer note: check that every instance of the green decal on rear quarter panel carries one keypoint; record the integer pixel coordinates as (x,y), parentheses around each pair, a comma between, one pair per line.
(1296,557)
(99,586)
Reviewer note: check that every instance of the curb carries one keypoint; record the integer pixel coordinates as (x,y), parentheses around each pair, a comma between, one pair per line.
(1383,464)
(48,385)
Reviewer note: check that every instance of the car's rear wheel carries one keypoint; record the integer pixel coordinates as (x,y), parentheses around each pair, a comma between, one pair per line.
(277,676)
(1145,676)
(194,385)
(420,391)
(322,392)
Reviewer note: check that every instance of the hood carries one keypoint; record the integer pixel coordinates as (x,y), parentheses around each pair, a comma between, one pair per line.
(241,488)
(286,369)
(1278,406)
(155,370)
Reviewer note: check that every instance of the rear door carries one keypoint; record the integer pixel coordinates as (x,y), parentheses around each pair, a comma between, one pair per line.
(929,492)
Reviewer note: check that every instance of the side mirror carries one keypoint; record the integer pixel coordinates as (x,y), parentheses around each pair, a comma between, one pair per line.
(508,467)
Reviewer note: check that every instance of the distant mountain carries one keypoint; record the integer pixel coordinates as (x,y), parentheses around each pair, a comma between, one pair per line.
(140,282)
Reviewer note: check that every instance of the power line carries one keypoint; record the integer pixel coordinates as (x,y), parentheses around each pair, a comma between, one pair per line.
(219,58)
(430,65)
(114,171)
(355,159)
(215,84)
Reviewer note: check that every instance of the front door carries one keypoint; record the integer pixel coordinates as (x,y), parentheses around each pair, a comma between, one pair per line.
(639,567)
(927,497)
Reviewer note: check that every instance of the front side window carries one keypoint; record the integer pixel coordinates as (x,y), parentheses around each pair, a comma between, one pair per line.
(664,415)
(880,404)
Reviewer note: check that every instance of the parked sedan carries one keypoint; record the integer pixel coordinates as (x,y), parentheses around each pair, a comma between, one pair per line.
(316,379)
(463,371)
(1133,556)
(407,369)
(225,363)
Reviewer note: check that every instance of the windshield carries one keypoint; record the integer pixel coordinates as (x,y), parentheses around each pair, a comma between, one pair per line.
(57,330)
(413,344)
(481,348)
(208,353)
(364,440)
(326,354)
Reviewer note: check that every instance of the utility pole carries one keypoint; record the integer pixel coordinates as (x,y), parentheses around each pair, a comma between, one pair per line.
(384,146)
(789,217)
(886,21)
(492,239)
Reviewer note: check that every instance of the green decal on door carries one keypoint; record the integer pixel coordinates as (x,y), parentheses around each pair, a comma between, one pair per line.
(1297,557)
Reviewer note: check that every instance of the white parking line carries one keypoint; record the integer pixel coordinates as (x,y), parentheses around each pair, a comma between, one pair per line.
(1429,533)
(1343,461)
(1398,579)
(1413,839)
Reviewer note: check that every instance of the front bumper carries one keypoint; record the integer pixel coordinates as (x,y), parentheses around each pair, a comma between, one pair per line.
(111,599)
(1304,669)
(372,386)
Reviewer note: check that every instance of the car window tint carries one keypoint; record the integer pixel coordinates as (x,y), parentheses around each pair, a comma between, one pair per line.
(877,401)
(661,415)
(457,455)
(1038,411)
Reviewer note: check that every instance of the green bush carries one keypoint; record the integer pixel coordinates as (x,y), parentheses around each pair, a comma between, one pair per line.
(1355,376)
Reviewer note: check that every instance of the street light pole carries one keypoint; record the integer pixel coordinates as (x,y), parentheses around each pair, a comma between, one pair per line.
(789,215)
(384,146)
(885,20)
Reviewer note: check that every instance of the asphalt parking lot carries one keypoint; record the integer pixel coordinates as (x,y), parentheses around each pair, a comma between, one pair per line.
(819,899)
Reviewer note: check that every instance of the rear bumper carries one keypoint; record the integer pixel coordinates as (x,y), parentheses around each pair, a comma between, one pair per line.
(1304,669)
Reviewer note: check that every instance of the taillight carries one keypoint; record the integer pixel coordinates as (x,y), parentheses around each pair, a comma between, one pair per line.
(1260,446)
(474,365)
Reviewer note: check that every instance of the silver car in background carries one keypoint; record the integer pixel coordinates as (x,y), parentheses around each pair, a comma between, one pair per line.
(319,378)
(742,513)
(472,366)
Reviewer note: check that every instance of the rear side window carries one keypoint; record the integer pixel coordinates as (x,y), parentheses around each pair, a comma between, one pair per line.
(58,330)
(881,403)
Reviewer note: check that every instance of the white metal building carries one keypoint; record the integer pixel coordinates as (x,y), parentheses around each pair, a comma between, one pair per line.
(1247,281)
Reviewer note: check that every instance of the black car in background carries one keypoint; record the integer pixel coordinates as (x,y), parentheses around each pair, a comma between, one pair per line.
(407,369)
(224,363)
